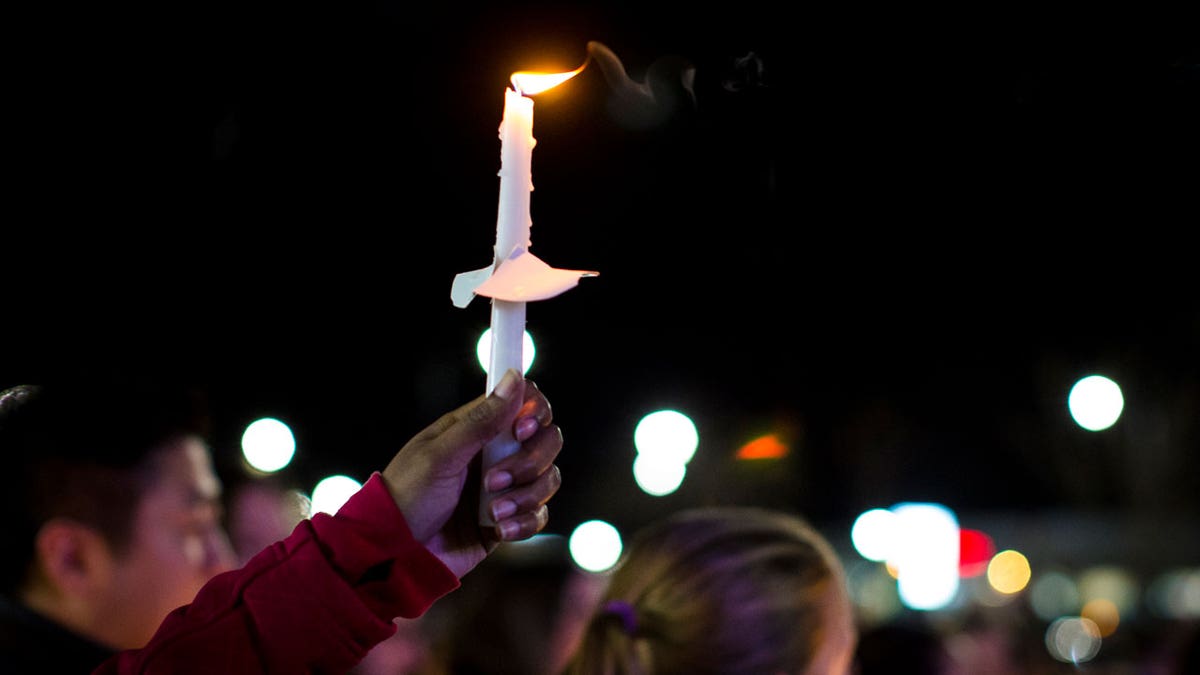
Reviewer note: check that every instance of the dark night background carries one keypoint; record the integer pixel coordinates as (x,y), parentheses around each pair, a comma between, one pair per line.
(896,235)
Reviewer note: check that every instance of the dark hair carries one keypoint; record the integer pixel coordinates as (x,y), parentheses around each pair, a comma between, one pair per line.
(83,452)
(725,590)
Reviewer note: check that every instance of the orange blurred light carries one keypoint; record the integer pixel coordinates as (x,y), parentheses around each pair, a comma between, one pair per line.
(763,447)
(892,570)
(1105,613)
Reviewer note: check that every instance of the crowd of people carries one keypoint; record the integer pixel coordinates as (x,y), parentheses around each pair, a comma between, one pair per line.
(120,560)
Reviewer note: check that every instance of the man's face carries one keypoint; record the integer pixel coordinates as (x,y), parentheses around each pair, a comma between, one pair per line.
(177,545)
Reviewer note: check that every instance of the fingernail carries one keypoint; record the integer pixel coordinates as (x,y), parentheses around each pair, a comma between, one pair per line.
(509,530)
(503,509)
(525,427)
(506,385)
(498,480)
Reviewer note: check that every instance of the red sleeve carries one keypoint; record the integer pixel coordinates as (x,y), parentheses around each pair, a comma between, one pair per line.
(315,602)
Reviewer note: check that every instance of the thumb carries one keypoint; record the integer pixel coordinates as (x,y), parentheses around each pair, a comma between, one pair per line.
(463,432)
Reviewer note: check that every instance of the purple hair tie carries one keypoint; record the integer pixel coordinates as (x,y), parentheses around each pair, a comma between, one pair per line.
(624,611)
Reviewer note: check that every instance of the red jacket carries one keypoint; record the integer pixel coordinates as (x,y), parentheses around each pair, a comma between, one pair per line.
(315,602)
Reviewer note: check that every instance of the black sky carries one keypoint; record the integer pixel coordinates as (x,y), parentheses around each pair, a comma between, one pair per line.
(899,235)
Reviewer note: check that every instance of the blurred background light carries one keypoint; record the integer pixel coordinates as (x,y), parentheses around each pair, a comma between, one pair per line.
(975,552)
(268,445)
(483,350)
(331,492)
(926,555)
(763,447)
(658,475)
(595,545)
(1109,583)
(667,433)
(1175,594)
(1073,639)
(873,592)
(874,534)
(1009,572)
(1104,613)
(1095,402)
(1054,594)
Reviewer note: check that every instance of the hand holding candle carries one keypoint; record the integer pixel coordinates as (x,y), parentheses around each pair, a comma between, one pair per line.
(515,276)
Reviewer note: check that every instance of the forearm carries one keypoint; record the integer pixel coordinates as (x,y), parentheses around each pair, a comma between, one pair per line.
(316,601)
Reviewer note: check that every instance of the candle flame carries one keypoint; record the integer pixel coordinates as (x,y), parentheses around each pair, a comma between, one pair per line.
(528,83)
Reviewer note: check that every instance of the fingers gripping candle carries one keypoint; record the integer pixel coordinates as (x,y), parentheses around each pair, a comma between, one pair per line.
(515,276)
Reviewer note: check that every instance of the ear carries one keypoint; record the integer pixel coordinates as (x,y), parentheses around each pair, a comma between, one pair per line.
(72,558)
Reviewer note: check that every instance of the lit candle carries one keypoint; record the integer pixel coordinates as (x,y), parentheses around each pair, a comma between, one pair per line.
(512,239)
(512,231)
(515,276)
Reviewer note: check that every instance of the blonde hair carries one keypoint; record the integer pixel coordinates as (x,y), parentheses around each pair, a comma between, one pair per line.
(725,590)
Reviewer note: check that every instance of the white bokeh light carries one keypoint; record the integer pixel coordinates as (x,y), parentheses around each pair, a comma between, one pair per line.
(1073,639)
(268,444)
(595,545)
(874,534)
(483,350)
(926,555)
(658,475)
(333,491)
(668,433)
(1095,402)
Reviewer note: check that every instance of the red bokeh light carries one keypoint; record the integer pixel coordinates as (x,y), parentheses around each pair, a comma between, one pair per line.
(975,551)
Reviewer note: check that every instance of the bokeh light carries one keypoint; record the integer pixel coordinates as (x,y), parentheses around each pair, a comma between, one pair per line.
(483,350)
(1095,402)
(1109,583)
(1073,639)
(668,433)
(764,447)
(666,440)
(1009,571)
(595,545)
(975,551)
(1054,594)
(332,492)
(926,555)
(874,534)
(268,445)
(1175,594)
(873,591)
(1104,613)
(658,475)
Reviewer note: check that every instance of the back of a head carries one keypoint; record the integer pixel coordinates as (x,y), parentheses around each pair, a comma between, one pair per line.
(726,590)
(81,450)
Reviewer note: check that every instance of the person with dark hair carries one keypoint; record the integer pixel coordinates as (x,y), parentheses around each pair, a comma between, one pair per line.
(113,516)
(80,594)
(722,591)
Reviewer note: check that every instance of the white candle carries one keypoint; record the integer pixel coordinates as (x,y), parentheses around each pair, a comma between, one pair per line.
(512,228)
(512,232)
(512,237)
